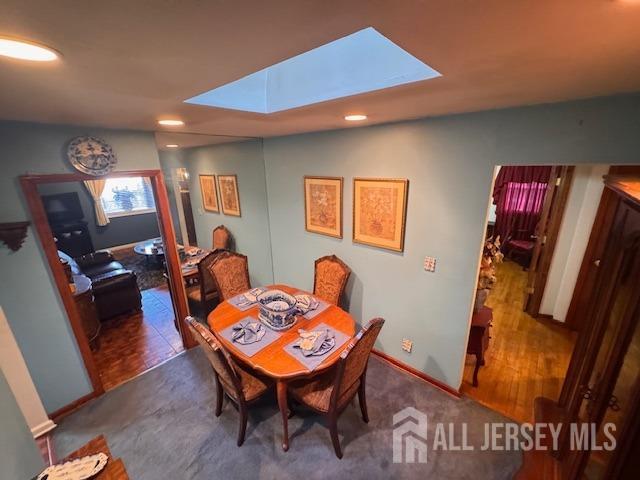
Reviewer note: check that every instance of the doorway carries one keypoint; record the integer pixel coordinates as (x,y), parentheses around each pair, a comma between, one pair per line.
(111,313)
(543,217)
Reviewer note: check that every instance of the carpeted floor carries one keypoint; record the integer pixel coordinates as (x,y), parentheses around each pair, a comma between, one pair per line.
(148,271)
(163,427)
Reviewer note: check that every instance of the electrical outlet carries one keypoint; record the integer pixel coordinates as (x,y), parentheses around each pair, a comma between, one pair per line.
(430,264)
(407,345)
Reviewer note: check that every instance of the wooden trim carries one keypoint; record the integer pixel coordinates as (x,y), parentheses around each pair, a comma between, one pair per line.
(57,415)
(417,373)
(79,177)
(544,317)
(29,185)
(41,223)
(13,234)
(627,187)
(172,258)
(585,282)
(551,233)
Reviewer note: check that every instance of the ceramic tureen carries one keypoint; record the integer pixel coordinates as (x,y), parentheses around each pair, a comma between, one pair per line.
(278,309)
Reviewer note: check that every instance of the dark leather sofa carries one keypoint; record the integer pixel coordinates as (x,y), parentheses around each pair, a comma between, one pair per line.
(115,289)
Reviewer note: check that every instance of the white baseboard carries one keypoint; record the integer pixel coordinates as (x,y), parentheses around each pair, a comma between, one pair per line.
(43,428)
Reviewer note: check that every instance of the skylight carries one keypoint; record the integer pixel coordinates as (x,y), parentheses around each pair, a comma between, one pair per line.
(364,61)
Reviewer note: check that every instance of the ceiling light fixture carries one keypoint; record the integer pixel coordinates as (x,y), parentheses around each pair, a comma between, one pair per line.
(171,123)
(172,145)
(23,50)
(355,118)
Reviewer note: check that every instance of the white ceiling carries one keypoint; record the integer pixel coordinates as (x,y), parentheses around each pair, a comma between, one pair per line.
(126,63)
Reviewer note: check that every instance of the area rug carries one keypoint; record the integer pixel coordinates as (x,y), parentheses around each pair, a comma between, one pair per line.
(162,425)
(148,272)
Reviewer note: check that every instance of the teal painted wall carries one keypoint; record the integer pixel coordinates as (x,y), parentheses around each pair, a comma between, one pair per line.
(449,162)
(251,230)
(27,293)
(19,455)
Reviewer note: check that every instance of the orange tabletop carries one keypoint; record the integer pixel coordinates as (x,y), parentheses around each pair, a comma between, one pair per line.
(273,360)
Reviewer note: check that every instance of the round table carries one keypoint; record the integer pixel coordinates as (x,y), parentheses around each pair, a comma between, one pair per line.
(272,360)
(151,249)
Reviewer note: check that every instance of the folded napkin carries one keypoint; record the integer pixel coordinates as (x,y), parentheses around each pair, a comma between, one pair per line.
(250,297)
(306,303)
(248,332)
(316,342)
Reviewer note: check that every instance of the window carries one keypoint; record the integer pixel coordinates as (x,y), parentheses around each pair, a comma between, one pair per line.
(127,196)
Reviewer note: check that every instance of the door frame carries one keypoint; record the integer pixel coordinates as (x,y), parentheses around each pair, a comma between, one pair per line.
(29,184)
(547,236)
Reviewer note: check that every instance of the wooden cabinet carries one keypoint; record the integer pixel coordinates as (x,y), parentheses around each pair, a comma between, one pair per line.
(601,393)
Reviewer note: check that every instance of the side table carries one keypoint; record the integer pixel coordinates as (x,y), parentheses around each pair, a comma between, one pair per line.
(479,338)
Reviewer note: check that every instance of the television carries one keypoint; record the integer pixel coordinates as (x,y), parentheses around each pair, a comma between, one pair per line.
(63,207)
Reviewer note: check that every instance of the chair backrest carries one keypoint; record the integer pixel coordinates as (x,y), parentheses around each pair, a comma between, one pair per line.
(221,238)
(230,272)
(207,283)
(218,357)
(354,358)
(330,278)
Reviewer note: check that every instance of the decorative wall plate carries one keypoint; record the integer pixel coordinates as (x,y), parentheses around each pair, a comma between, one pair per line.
(79,469)
(91,155)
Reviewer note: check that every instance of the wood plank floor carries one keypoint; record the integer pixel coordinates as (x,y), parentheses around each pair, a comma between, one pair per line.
(527,358)
(132,344)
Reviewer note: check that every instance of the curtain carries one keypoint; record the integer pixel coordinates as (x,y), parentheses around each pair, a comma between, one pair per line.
(96,187)
(518,194)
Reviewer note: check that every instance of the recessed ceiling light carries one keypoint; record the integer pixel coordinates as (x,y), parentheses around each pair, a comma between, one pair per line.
(171,122)
(23,50)
(172,145)
(355,118)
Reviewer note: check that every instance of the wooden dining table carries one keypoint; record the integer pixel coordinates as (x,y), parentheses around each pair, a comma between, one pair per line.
(273,361)
(189,265)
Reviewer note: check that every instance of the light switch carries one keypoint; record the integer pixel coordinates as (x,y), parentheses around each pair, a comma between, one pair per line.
(407,345)
(430,264)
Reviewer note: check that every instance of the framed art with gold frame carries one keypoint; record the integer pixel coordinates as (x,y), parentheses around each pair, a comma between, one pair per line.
(380,212)
(209,193)
(229,196)
(323,205)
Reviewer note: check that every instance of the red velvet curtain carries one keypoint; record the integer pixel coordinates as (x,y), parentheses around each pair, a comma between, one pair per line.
(518,194)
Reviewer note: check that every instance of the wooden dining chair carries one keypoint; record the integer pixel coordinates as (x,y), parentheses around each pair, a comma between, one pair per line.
(330,278)
(240,384)
(222,238)
(204,294)
(330,393)
(230,273)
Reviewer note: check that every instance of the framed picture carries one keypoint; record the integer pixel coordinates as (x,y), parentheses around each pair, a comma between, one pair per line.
(229,194)
(323,205)
(209,193)
(379,212)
